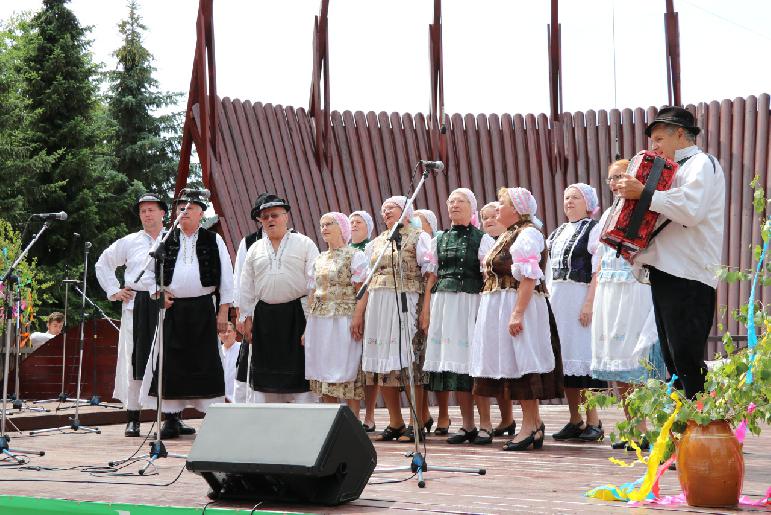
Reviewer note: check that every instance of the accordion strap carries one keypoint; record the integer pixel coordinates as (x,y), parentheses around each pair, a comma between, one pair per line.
(633,229)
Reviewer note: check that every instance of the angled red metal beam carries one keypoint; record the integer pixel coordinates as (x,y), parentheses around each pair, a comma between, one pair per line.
(437,119)
(672,34)
(554,36)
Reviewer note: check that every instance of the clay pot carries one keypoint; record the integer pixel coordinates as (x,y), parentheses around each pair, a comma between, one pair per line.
(710,465)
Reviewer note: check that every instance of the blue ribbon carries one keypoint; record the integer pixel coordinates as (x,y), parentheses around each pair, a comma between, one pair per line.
(752,336)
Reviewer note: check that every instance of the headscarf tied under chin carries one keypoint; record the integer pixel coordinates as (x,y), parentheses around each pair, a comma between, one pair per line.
(367,220)
(590,197)
(401,201)
(431,218)
(472,199)
(343,223)
(524,203)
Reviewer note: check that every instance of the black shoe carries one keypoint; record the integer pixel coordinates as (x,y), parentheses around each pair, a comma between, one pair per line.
(368,429)
(170,428)
(592,433)
(510,429)
(443,431)
(391,433)
(463,436)
(525,444)
(184,429)
(484,437)
(569,431)
(428,425)
(132,428)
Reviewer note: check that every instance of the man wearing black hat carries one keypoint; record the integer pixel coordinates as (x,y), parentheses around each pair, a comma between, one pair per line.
(197,266)
(273,281)
(684,257)
(140,311)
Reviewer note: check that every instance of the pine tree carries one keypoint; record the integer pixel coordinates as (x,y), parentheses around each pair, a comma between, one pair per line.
(146,144)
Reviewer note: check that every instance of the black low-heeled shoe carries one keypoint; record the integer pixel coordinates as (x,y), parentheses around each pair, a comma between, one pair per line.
(525,444)
(443,431)
(391,433)
(511,429)
(368,429)
(463,436)
(428,425)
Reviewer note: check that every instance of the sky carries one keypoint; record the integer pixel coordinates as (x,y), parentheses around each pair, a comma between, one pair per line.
(495,51)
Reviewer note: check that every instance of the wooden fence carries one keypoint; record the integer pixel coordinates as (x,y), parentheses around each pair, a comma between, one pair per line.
(265,147)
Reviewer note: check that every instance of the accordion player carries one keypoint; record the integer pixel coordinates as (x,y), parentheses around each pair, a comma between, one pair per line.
(631,225)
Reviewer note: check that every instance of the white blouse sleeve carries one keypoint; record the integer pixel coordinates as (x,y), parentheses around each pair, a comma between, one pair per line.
(593,245)
(424,254)
(526,255)
(485,245)
(359,267)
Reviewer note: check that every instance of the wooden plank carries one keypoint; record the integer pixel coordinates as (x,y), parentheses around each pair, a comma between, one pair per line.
(486,187)
(499,158)
(582,159)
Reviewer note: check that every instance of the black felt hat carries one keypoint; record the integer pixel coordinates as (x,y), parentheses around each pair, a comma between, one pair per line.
(151,197)
(271,201)
(674,116)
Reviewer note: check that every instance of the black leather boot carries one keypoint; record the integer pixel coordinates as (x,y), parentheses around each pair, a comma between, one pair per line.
(170,427)
(132,428)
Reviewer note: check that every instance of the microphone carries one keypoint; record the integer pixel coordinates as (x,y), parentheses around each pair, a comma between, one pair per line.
(61,215)
(202,193)
(432,165)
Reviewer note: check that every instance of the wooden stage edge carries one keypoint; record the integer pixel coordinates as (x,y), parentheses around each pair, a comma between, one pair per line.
(551,480)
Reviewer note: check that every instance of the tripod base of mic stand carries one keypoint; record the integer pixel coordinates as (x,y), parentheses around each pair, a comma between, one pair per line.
(6,450)
(419,466)
(74,426)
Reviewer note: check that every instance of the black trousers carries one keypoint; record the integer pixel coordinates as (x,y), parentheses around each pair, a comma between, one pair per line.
(685,311)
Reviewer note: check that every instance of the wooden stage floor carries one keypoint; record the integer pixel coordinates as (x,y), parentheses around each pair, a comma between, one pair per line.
(552,480)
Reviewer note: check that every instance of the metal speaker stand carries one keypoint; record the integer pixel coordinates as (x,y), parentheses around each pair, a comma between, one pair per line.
(75,424)
(418,464)
(63,397)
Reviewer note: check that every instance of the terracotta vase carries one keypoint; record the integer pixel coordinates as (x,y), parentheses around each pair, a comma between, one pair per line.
(710,464)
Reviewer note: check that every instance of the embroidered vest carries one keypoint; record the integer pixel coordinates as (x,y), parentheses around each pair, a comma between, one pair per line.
(383,278)
(575,263)
(334,294)
(458,255)
(208,258)
(498,262)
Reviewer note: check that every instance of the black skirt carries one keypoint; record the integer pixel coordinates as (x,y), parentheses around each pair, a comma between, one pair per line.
(192,368)
(278,358)
(145,322)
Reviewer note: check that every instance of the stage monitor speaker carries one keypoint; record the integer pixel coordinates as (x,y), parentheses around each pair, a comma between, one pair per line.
(307,453)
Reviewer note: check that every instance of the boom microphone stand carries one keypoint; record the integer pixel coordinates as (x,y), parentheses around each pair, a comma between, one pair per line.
(8,280)
(418,464)
(75,424)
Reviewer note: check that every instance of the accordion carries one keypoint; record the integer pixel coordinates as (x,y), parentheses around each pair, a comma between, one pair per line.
(631,225)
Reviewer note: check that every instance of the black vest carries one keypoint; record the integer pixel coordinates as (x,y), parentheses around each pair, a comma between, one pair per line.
(575,263)
(209,266)
(458,255)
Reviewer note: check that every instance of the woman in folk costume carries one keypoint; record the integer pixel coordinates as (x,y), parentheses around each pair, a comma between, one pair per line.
(488,215)
(516,346)
(362,226)
(458,252)
(625,343)
(572,266)
(332,349)
(388,332)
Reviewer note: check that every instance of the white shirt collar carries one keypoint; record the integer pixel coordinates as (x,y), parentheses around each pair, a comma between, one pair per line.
(686,152)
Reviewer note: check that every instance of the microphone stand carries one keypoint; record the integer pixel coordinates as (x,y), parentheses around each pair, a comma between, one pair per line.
(418,464)
(157,447)
(75,424)
(63,397)
(8,280)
